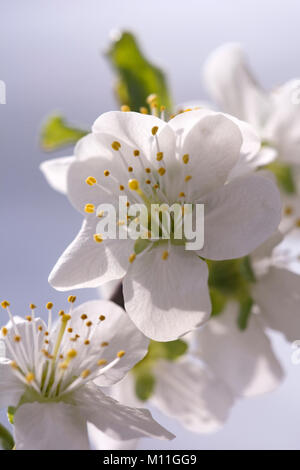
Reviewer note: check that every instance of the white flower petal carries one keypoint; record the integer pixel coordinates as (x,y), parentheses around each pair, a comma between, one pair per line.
(278,296)
(108,290)
(167,298)
(118,331)
(117,421)
(213,145)
(50,426)
(244,360)
(86,263)
(186,391)
(231,84)
(100,441)
(11,388)
(55,172)
(239,217)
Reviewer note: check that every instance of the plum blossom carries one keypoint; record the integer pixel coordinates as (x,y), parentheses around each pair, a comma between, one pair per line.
(187,159)
(52,375)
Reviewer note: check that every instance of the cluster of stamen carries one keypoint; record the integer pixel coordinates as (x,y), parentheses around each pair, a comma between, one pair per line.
(47,361)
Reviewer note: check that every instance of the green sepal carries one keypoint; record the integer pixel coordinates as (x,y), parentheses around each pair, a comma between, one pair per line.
(144,385)
(244,313)
(56,134)
(218,302)
(284,176)
(137,77)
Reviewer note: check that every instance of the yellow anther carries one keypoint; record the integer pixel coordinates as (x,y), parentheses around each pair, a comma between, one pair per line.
(83,316)
(105,343)
(121,222)
(71,354)
(91,181)
(147,170)
(125,108)
(127,204)
(85,373)
(14,365)
(64,365)
(89,208)
(102,317)
(143,110)
(165,255)
(161,171)
(40,328)
(187,178)
(61,313)
(121,187)
(4,331)
(30,377)
(121,353)
(130,169)
(70,330)
(100,214)
(154,130)
(98,238)
(49,305)
(148,181)
(187,110)
(46,333)
(288,210)
(151,98)
(132,258)
(136,153)
(162,108)
(65,318)
(106,173)
(133,185)
(29,318)
(72,299)
(17,338)
(155,186)
(89,323)
(5,304)
(32,306)
(297,223)
(185,158)
(116,145)
(181,194)
(102,362)
(159,156)
(87,342)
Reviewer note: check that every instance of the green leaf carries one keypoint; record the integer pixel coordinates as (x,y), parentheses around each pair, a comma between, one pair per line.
(244,313)
(137,77)
(247,270)
(6,439)
(140,245)
(56,133)
(218,302)
(144,385)
(284,176)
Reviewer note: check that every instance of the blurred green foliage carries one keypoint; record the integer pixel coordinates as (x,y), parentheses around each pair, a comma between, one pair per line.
(56,133)
(6,439)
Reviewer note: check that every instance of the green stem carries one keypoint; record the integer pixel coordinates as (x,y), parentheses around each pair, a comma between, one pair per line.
(6,439)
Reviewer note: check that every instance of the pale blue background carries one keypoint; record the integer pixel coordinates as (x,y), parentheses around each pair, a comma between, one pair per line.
(50,59)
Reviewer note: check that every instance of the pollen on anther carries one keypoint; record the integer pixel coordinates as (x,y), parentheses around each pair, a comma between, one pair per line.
(98,238)
(143,110)
(89,208)
(130,169)
(154,130)
(106,173)
(121,187)
(125,108)
(116,145)
(30,377)
(136,153)
(70,330)
(87,342)
(185,158)
(85,373)
(91,181)
(102,362)
(14,365)
(17,338)
(40,328)
(181,194)
(49,305)
(72,299)
(105,343)
(187,178)
(121,354)
(165,255)
(72,353)
(32,306)
(89,323)
(4,331)
(28,318)
(133,185)
(148,181)
(61,313)
(5,304)
(159,156)
(132,258)
(147,170)
(83,316)
(161,171)
(102,317)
